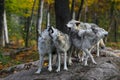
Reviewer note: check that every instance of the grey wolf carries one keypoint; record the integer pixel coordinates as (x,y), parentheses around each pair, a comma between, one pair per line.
(62,44)
(85,37)
(45,46)
(80,25)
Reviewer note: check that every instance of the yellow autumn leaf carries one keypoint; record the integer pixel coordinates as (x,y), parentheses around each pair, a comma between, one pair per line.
(50,1)
(45,64)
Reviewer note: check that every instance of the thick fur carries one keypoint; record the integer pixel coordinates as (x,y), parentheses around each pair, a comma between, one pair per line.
(45,46)
(73,24)
(62,44)
(85,37)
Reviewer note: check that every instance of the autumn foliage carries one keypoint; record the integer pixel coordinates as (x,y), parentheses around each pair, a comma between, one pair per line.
(106,13)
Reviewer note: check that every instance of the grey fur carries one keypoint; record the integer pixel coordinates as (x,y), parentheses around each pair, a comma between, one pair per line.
(86,36)
(45,46)
(62,44)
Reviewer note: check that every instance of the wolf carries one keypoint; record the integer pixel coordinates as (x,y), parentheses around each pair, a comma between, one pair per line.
(84,39)
(62,44)
(100,43)
(45,46)
(80,25)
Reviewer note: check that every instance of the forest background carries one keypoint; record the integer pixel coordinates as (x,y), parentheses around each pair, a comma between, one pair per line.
(21,22)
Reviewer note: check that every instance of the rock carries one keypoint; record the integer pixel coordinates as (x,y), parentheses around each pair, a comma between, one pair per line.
(107,68)
(110,52)
(104,72)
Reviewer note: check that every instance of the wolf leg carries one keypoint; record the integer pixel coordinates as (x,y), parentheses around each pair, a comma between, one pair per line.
(69,57)
(65,61)
(50,62)
(59,62)
(83,56)
(86,59)
(90,55)
(98,51)
(40,63)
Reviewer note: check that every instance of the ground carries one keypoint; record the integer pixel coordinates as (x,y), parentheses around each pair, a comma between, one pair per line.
(107,68)
(23,65)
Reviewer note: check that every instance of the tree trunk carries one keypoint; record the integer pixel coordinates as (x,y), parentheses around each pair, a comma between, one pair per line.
(62,13)
(2,43)
(86,12)
(96,18)
(5,28)
(37,24)
(39,19)
(48,16)
(80,9)
(28,25)
(115,30)
(72,10)
(31,21)
(27,32)
(111,17)
(40,16)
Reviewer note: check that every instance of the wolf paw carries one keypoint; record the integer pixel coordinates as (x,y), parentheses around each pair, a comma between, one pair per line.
(65,68)
(37,72)
(58,70)
(98,55)
(50,69)
(82,59)
(70,63)
(94,62)
(85,64)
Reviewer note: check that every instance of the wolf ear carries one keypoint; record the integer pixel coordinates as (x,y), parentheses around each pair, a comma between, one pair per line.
(77,23)
(50,29)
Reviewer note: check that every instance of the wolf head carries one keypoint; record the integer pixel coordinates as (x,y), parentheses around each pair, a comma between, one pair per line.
(73,24)
(99,32)
(53,32)
(45,34)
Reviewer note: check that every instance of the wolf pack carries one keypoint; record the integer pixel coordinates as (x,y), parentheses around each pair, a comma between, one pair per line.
(80,36)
